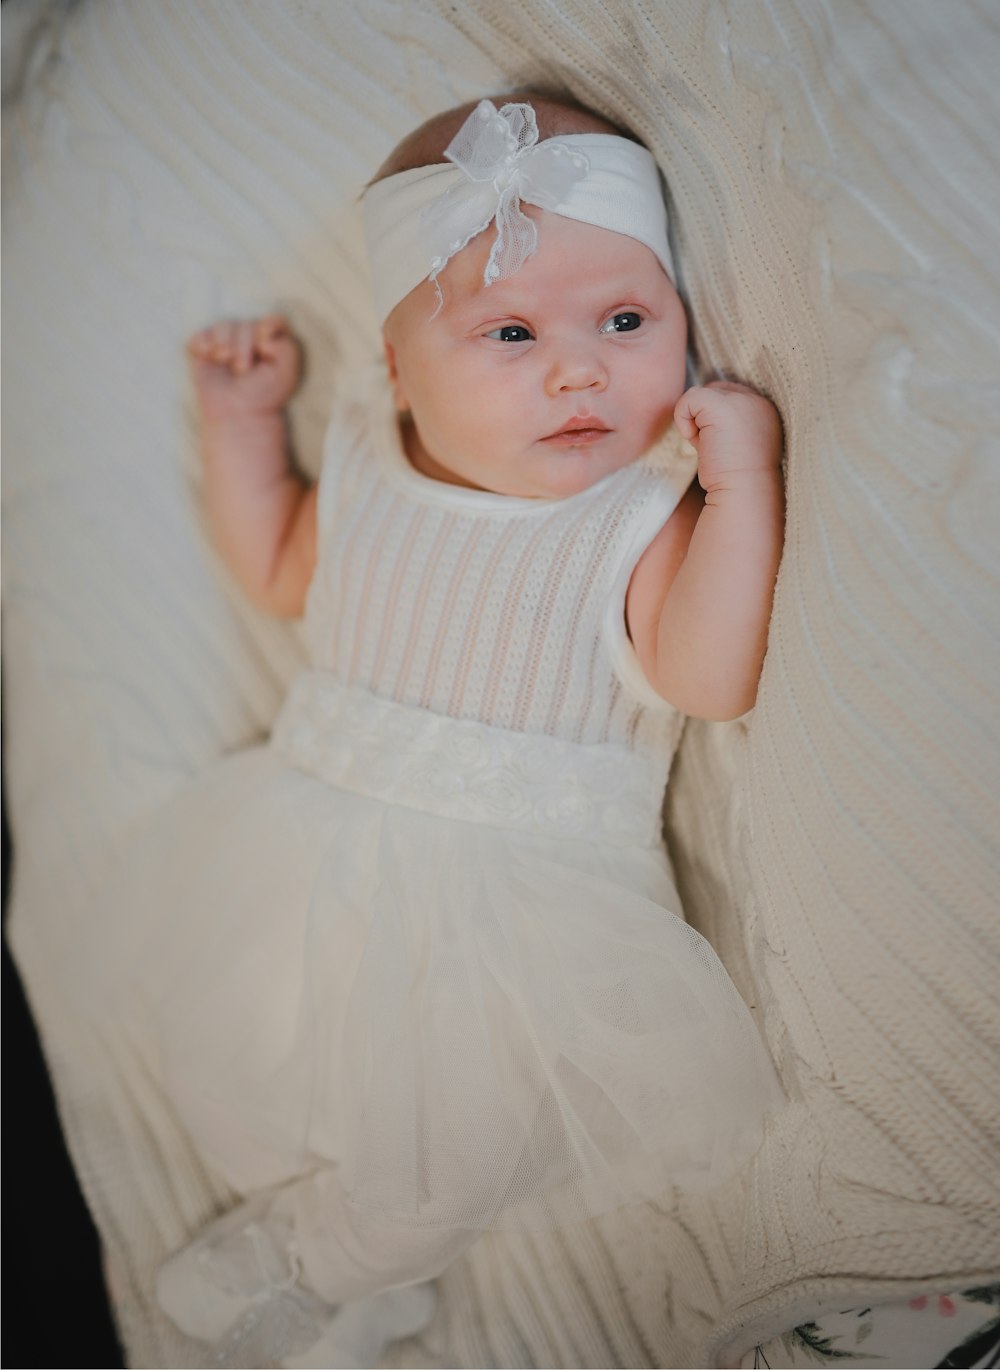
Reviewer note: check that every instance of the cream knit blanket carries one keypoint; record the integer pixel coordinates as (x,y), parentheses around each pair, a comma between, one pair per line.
(833,179)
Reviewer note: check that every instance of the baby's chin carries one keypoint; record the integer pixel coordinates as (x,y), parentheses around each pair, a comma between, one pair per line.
(570,474)
(573,470)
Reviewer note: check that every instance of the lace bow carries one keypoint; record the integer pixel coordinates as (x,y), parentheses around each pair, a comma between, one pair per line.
(499,154)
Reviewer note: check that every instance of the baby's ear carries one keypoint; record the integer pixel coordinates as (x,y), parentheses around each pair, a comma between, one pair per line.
(398,395)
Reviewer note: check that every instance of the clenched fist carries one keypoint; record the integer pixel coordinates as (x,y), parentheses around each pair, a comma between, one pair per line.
(244,367)
(735,431)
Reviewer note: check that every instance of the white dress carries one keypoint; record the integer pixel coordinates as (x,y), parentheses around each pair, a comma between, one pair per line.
(423,947)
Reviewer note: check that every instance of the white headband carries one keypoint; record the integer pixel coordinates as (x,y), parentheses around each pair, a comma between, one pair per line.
(417,220)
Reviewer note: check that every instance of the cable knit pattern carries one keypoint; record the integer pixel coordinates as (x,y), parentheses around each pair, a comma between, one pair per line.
(832,173)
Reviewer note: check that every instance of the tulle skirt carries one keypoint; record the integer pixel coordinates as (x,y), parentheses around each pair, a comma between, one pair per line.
(432,954)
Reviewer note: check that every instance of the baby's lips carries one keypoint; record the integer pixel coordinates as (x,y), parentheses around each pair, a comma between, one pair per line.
(584,423)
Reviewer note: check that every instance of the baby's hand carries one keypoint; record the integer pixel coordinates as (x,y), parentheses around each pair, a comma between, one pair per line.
(244,367)
(735,431)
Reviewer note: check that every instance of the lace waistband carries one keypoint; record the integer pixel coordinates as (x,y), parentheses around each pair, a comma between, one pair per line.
(458,768)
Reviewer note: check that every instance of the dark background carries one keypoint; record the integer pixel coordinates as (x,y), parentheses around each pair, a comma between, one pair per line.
(54,1304)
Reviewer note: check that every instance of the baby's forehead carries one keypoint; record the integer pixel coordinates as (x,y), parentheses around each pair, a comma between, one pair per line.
(570,255)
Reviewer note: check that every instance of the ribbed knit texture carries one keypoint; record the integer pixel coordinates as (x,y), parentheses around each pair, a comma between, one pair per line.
(832,178)
(505,612)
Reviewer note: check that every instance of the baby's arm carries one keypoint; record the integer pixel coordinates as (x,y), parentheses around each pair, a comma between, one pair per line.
(700,599)
(262,513)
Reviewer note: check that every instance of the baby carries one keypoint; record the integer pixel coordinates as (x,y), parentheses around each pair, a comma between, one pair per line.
(519,388)
(417,968)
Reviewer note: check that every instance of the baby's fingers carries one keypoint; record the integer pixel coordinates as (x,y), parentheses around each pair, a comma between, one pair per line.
(689,412)
(216,344)
(222,344)
(255,350)
(243,358)
(268,332)
(709,406)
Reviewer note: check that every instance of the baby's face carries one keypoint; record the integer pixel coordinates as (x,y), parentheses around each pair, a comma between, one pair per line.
(544,383)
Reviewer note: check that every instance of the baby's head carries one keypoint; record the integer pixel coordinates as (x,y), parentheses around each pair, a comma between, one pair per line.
(534,335)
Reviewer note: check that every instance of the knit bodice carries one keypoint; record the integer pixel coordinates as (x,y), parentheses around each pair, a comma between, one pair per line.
(505,611)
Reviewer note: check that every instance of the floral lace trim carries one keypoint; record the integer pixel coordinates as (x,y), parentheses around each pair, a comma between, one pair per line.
(457,768)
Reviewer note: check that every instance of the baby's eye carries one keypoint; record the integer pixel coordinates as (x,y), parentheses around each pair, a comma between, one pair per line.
(511,332)
(625,322)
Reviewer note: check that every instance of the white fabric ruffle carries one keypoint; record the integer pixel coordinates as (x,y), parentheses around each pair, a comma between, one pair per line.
(484,1024)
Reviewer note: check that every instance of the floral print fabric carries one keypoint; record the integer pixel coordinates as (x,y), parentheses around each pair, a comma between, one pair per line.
(953,1329)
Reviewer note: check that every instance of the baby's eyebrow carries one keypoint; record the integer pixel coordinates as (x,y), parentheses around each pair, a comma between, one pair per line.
(502,296)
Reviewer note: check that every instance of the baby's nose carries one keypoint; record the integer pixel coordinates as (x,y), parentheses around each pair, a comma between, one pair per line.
(576,368)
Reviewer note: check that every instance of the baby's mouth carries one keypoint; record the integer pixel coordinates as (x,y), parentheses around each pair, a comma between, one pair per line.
(578,432)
